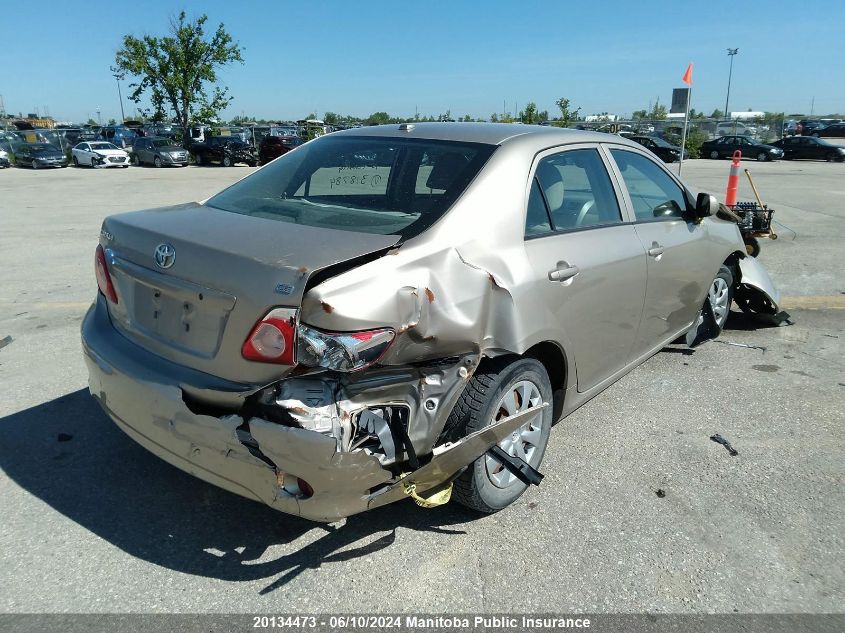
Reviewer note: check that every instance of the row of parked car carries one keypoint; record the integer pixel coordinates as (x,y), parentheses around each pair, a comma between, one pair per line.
(50,148)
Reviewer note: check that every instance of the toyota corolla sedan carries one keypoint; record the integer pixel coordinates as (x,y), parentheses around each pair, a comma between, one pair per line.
(403,310)
(99,154)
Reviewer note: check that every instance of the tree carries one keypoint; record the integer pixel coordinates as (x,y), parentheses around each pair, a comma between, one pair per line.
(658,112)
(330,118)
(178,69)
(529,115)
(639,114)
(717,114)
(378,118)
(566,115)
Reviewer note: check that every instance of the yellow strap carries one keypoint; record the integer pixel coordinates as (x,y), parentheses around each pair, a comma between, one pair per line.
(437,499)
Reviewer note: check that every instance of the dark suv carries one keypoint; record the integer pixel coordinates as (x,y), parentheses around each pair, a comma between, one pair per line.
(225,150)
(119,135)
(159,151)
(274,146)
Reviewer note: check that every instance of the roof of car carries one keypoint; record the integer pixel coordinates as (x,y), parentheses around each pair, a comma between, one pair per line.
(488,133)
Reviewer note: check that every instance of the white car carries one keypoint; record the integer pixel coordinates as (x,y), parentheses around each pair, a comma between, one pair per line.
(99,154)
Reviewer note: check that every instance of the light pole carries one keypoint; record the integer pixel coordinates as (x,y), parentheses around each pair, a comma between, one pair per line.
(120,98)
(731,53)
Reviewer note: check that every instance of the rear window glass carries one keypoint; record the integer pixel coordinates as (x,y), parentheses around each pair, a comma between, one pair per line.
(387,186)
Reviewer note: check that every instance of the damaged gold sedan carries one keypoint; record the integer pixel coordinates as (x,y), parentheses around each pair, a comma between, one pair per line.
(402,310)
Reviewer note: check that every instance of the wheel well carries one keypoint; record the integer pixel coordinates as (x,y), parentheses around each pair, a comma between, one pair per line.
(732,262)
(553,360)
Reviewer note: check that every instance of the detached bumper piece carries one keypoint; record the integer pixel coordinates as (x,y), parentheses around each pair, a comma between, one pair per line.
(520,469)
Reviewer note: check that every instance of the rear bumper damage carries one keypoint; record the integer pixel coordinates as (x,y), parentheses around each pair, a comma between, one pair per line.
(356,440)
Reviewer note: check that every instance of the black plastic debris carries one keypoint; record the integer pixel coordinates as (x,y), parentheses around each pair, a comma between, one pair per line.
(64,437)
(660,493)
(5,341)
(721,440)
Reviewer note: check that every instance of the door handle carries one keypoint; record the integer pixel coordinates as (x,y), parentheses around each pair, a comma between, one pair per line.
(656,250)
(563,272)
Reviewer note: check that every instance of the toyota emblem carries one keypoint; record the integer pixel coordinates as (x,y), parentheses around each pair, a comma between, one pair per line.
(165,255)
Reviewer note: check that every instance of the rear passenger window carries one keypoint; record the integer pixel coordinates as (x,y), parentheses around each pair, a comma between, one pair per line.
(653,192)
(577,190)
(537,218)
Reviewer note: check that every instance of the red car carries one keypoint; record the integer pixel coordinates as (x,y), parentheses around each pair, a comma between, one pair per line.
(274,146)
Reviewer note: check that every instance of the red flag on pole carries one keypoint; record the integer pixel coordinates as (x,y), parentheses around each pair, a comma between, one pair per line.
(688,75)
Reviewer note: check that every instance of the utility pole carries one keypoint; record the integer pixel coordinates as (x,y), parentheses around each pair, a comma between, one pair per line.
(731,53)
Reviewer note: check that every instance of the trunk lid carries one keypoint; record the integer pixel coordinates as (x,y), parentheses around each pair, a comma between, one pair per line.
(217,274)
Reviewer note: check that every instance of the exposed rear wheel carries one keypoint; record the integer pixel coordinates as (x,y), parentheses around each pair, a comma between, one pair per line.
(198,159)
(75,161)
(35,164)
(762,158)
(714,154)
(157,161)
(227,161)
(500,388)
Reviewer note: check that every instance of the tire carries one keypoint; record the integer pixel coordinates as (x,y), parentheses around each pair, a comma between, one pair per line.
(762,157)
(93,163)
(198,159)
(227,161)
(752,246)
(714,154)
(715,310)
(832,158)
(157,161)
(34,164)
(75,161)
(486,486)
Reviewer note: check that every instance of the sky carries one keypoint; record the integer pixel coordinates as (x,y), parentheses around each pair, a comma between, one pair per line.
(472,58)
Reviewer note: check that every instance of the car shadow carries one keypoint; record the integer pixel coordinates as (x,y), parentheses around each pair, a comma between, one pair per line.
(68,454)
(746,322)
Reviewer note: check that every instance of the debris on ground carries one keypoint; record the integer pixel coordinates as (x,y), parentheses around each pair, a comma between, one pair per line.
(64,437)
(660,493)
(760,347)
(721,440)
(5,341)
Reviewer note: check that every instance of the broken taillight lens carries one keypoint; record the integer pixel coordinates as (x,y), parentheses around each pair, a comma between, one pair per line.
(101,270)
(341,351)
(273,339)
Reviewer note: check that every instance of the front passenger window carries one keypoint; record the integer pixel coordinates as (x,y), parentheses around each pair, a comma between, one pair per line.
(653,192)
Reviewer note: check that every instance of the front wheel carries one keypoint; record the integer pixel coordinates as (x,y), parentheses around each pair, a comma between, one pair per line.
(157,161)
(227,161)
(34,164)
(714,154)
(714,313)
(500,388)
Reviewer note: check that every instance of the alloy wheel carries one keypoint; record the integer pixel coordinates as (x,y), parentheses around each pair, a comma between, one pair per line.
(524,441)
(719,300)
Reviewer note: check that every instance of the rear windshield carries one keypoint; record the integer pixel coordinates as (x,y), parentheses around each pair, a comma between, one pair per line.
(387,186)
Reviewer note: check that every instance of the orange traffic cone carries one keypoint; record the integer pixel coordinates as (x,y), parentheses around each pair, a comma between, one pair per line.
(733,180)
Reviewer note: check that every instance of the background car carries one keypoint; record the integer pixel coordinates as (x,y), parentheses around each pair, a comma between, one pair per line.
(159,151)
(808,127)
(667,152)
(725,147)
(119,135)
(99,154)
(224,150)
(37,155)
(734,128)
(4,158)
(797,147)
(272,147)
(832,130)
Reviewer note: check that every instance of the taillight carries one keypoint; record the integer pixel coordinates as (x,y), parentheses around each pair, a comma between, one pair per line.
(101,270)
(273,339)
(341,351)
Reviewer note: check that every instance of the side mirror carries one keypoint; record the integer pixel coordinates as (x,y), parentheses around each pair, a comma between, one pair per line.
(705,205)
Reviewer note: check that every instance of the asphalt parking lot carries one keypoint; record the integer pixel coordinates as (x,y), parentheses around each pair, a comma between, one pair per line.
(93,523)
